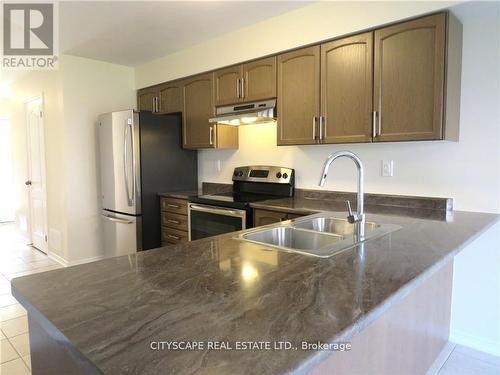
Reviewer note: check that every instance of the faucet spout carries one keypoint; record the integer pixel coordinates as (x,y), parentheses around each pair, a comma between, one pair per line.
(359,217)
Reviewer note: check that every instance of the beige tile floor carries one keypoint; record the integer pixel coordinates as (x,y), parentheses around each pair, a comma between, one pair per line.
(18,259)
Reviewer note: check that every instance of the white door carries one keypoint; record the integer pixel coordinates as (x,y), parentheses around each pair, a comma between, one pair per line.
(36,182)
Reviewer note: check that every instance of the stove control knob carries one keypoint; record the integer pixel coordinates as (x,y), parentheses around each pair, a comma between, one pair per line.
(285,176)
(240,173)
(278,175)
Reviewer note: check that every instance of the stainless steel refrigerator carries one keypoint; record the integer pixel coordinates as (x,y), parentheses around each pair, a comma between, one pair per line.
(141,156)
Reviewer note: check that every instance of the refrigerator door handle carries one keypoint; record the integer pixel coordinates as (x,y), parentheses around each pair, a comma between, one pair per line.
(134,166)
(126,167)
(117,220)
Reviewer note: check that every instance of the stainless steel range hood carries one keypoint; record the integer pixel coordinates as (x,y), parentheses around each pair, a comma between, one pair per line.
(246,114)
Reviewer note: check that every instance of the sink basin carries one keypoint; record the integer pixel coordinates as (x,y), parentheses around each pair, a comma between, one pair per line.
(318,235)
(292,239)
(334,225)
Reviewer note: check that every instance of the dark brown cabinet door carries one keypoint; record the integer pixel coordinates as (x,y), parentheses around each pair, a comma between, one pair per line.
(298,96)
(259,79)
(146,99)
(263,217)
(409,79)
(170,97)
(198,108)
(227,85)
(347,90)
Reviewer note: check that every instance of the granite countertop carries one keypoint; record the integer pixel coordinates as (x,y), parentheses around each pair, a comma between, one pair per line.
(223,289)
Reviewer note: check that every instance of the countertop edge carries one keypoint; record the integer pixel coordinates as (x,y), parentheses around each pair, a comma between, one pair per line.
(53,331)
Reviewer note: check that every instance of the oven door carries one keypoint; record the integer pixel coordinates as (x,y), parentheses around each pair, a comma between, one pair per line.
(207,221)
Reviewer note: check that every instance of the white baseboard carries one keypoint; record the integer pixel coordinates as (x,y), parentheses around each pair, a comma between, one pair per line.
(86,260)
(65,263)
(478,343)
(441,359)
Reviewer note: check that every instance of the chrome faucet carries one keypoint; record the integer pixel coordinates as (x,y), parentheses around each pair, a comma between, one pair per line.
(359,217)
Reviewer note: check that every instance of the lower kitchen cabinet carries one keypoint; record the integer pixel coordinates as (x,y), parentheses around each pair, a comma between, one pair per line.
(174,220)
(265,217)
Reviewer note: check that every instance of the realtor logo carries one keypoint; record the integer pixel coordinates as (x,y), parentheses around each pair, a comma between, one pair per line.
(28,36)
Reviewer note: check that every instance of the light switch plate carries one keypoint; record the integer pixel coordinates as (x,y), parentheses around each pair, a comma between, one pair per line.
(387,168)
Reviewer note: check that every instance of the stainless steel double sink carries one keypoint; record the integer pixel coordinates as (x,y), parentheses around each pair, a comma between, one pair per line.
(321,235)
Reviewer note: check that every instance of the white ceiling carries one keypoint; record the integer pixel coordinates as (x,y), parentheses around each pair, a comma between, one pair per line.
(132,33)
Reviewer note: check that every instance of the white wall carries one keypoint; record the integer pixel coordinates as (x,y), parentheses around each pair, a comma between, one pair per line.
(468,171)
(73,96)
(26,86)
(476,294)
(90,88)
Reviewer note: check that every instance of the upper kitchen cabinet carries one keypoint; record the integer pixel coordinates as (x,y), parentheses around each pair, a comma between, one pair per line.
(147,99)
(170,97)
(164,98)
(227,87)
(259,80)
(417,79)
(298,96)
(346,90)
(252,81)
(198,107)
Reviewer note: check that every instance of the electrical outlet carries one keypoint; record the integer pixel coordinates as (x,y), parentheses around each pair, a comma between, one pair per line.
(387,168)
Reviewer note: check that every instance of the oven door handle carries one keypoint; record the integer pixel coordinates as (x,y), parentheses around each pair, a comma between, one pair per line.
(220,211)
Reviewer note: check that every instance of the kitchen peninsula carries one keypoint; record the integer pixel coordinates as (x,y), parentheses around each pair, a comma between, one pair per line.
(105,317)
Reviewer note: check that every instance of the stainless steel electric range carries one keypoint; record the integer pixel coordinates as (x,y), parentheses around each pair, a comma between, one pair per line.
(210,215)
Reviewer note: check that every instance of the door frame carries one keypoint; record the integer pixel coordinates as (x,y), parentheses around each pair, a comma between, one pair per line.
(26,103)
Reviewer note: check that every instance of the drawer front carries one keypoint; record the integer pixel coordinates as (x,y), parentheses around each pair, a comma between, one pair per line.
(177,206)
(174,236)
(176,221)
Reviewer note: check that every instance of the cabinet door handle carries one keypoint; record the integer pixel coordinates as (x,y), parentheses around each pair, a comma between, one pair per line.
(320,128)
(157,105)
(174,237)
(173,205)
(322,124)
(173,221)
(243,88)
(314,127)
(211,135)
(379,122)
(238,95)
(374,124)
